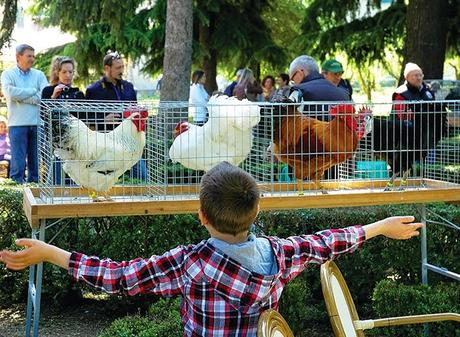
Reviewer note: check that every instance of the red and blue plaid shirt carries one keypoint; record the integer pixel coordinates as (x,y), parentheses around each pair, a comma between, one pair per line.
(220,296)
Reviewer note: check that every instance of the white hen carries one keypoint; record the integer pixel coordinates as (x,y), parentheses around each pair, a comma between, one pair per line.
(226,136)
(96,160)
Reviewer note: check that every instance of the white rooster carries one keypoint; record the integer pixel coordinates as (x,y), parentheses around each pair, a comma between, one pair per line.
(96,160)
(226,136)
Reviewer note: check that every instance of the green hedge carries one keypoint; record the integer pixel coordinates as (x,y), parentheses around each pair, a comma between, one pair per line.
(123,238)
(393,299)
(162,320)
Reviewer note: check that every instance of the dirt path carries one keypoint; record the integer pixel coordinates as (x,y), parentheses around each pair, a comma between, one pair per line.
(85,320)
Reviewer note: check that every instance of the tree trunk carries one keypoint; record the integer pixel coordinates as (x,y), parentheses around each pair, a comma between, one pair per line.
(177,60)
(426,36)
(210,58)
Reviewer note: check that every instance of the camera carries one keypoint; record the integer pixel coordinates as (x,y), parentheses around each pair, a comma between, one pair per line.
(65,89)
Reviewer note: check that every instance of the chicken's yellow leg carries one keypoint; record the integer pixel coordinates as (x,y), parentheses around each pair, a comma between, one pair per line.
(299,186)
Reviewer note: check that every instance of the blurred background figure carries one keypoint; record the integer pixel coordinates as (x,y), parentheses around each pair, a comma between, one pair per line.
(284,89)
(332,71)
(248,87)
(229,90)
(198,99)
(268,86)
(5,150)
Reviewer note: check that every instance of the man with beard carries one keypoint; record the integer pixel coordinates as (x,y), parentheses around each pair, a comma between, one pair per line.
(112,87)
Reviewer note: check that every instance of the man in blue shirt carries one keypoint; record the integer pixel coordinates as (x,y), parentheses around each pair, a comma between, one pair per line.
(22,86)
(112,87)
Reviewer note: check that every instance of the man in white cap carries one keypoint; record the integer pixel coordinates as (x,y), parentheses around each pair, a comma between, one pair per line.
(422,122)
(413,89)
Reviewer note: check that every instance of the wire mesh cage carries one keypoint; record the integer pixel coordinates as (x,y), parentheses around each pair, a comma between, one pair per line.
(290,149)
(96,146)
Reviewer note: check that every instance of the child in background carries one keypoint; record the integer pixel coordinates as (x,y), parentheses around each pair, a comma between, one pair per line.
(5,150)
(228,280)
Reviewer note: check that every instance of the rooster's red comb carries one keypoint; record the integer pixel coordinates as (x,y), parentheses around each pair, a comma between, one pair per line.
(342,109)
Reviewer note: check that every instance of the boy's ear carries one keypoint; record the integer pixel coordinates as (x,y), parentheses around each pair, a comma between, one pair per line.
(204,221)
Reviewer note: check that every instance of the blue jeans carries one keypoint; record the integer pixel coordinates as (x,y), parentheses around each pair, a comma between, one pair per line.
(139,170)
(24,146)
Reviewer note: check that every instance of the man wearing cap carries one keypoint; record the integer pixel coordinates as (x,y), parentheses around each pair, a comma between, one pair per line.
(422,122)
(332,71)
(413,89)
(310,85)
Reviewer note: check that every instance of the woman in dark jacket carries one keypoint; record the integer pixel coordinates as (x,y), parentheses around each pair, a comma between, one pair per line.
(61,76)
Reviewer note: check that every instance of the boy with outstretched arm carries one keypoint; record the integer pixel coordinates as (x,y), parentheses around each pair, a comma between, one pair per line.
(228,280)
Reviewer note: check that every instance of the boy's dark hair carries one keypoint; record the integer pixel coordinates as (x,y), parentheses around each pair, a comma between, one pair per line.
(229,198)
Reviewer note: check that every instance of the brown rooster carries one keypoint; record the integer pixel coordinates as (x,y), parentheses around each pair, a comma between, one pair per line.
(311,146)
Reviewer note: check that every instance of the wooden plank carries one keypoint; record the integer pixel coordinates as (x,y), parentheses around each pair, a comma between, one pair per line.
(28,204)
(359,199)
(150,207)
(187,189)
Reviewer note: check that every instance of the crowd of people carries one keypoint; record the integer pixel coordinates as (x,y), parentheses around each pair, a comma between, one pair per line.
(24,87)
(304,74)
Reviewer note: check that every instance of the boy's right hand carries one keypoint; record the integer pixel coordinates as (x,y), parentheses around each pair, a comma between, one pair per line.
(35,252)
(396,227)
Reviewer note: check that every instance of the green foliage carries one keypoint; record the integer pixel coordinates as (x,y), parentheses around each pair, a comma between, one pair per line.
(13,225)
(130,27)
(9,8)
(163,320)
(242,33)
(303,306)
(377,260)
(393,299)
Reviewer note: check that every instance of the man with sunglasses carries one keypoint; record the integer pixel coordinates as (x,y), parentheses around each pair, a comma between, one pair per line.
(112,87)
(311,86)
